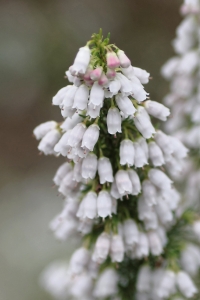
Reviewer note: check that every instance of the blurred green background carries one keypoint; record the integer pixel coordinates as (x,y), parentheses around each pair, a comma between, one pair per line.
(39,40)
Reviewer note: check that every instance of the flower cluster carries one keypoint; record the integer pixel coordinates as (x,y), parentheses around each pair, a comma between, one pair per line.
(116,178)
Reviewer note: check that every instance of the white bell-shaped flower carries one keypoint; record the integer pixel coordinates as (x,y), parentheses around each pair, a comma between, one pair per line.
(69,97)
(66,229)
(126,85)
(90,205)
(93,110)
(163,141)
(41,130)
(159,179)
(67,184)
(114,86)
(142,248)
(172,197)
(114,121)
(142,75)
(77,172)
(143,123)
(155,243)
(130,232)
(49,141)
(105,170)
(144,279)
(144,145)
(151,222)
(81,286)
(61,173)
(138,91)
(70,123)
(67,112)
(190,259)
(59,97)
(125,105)
(79,260)
(179,150)
(156,155)
(185,284)
(107,284)
(135,180)
(140,156)
(114,191)
(167,284)
(164,213)
(127,153)
(114,206)
(76,135)
(81,97)
(96,94)
(102,248)
(90,137)
(81,61)
(157,110)
(81,152)
(149,192)
(124,60)
(104,204)
(85,226)
(117,248)
(123,182)
(144,210)
(89,166)
(196,229)
(170,67)
(62,146)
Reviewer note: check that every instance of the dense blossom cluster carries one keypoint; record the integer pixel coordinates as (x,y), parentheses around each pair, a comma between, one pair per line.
(119,197)
(183,72)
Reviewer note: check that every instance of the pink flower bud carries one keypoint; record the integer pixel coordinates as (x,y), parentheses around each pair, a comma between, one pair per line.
(112,60)
(96,73)
(103,80)
(86,76)
(110,73)
(124,60)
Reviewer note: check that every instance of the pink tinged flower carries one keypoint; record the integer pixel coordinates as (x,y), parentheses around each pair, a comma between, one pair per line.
(81,61)
(140,157)
(110,73)
(61,172)
(76,135)
(114,121)
(104,204)
(96,94)
(144,279)
(90,205)
(160,179)
(69,97)
(117,248)
(142,75)
(157,110)
(123,183)
(102,248)
(41,130)
(154,243)
(90,137)
(49,141)
(70,123)
(124,60)
(112,60)
(127,153)
(96,73)
(130,232)
(79,260)
(81,97)
(125,105)
(149,192)
(59,97)
(142,247)
(89,166)
(103,80)
(185,284)
(135,180)
(107,284)
(143,123)
(156,155)
(105,170)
